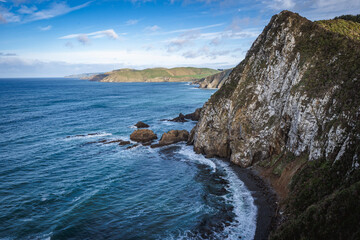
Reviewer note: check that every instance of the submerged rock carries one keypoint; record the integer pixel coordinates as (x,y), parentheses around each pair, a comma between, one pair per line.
(124,143)
(132,146)
(120,141)
(141,125)
(143,135)
(172,137)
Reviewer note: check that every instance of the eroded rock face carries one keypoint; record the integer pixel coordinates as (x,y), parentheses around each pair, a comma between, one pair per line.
(141,125)
(214,81)
(283,96)
(172,137)
(143,135)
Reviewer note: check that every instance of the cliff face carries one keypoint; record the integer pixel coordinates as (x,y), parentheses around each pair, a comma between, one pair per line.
(292,108)
(214,81)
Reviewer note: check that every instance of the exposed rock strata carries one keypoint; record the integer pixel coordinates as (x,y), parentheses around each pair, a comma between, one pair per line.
(292,106)
(214,81)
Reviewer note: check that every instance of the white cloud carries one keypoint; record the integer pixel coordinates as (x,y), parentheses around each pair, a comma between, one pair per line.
(84,38)
(152,28)
(7,17)
(281,4)
(184,39)
(315,9)
(29,14)
(69,45)
(46,28)
(192,29)
(132,22)
(56,9)
(27,10)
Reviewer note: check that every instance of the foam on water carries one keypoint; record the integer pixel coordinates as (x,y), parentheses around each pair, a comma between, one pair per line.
(239,197)
(88,135)
(244,207)
(190,155)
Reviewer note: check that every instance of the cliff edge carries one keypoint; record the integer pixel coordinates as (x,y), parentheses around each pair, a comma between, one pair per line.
(291,109)
(214,81)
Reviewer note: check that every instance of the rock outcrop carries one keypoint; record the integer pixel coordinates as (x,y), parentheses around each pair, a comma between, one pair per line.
(180,118)
(171,137)
(214,81)
(143,135)
(141,125)
(292,109)
(195,116)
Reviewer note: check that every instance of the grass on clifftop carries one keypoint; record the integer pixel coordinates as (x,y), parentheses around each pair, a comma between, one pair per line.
(347,28)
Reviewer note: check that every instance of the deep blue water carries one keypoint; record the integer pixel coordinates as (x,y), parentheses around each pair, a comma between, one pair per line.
(56,185)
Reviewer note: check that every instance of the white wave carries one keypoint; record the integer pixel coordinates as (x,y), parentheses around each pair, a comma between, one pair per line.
(189,153)
(244,208)
(88,135)
(244,224)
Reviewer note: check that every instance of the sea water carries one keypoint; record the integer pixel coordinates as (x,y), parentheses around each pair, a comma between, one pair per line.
(59,182)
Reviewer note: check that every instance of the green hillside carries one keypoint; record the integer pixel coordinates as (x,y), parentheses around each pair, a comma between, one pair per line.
(347,28)
(179,74)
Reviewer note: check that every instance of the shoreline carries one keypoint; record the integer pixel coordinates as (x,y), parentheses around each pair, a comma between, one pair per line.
(265,199)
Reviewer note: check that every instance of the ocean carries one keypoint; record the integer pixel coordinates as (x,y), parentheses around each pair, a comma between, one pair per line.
(59,182)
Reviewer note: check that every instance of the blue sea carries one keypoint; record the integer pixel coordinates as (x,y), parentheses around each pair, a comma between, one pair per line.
(59,182)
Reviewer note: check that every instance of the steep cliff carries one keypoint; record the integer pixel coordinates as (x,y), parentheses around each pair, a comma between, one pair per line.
(291,108)
(214,81)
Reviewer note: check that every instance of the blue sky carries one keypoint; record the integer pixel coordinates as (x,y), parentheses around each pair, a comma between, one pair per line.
(47,38)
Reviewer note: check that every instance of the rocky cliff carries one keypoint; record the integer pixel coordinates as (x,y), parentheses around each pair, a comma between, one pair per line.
(214,81)
(291,109)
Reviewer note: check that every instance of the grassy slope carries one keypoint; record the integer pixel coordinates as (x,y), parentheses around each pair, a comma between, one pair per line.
(158,74)
(347,28)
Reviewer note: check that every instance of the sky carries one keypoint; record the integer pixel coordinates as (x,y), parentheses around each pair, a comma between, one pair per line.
(55,38)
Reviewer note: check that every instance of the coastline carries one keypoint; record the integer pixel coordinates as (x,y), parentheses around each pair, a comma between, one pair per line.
(265,199)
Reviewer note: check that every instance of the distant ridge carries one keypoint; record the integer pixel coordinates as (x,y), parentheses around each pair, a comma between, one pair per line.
(83,75)
(179,74)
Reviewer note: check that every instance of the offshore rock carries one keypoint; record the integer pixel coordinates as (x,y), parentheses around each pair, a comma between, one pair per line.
(141,125)
(143,135)
(172,137)
(180,118)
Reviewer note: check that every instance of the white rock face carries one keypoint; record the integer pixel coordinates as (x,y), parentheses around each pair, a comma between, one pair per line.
(261,109)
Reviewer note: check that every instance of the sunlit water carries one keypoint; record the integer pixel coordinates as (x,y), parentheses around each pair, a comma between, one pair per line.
(56,185)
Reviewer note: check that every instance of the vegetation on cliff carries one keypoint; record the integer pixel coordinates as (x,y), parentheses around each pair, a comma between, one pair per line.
(291,109)
(179,74)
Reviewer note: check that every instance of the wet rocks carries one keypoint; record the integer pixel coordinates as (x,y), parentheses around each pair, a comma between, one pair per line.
(180,118)
(141,125)
(132,146)
(195,116)
(143,135)
(172,137)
